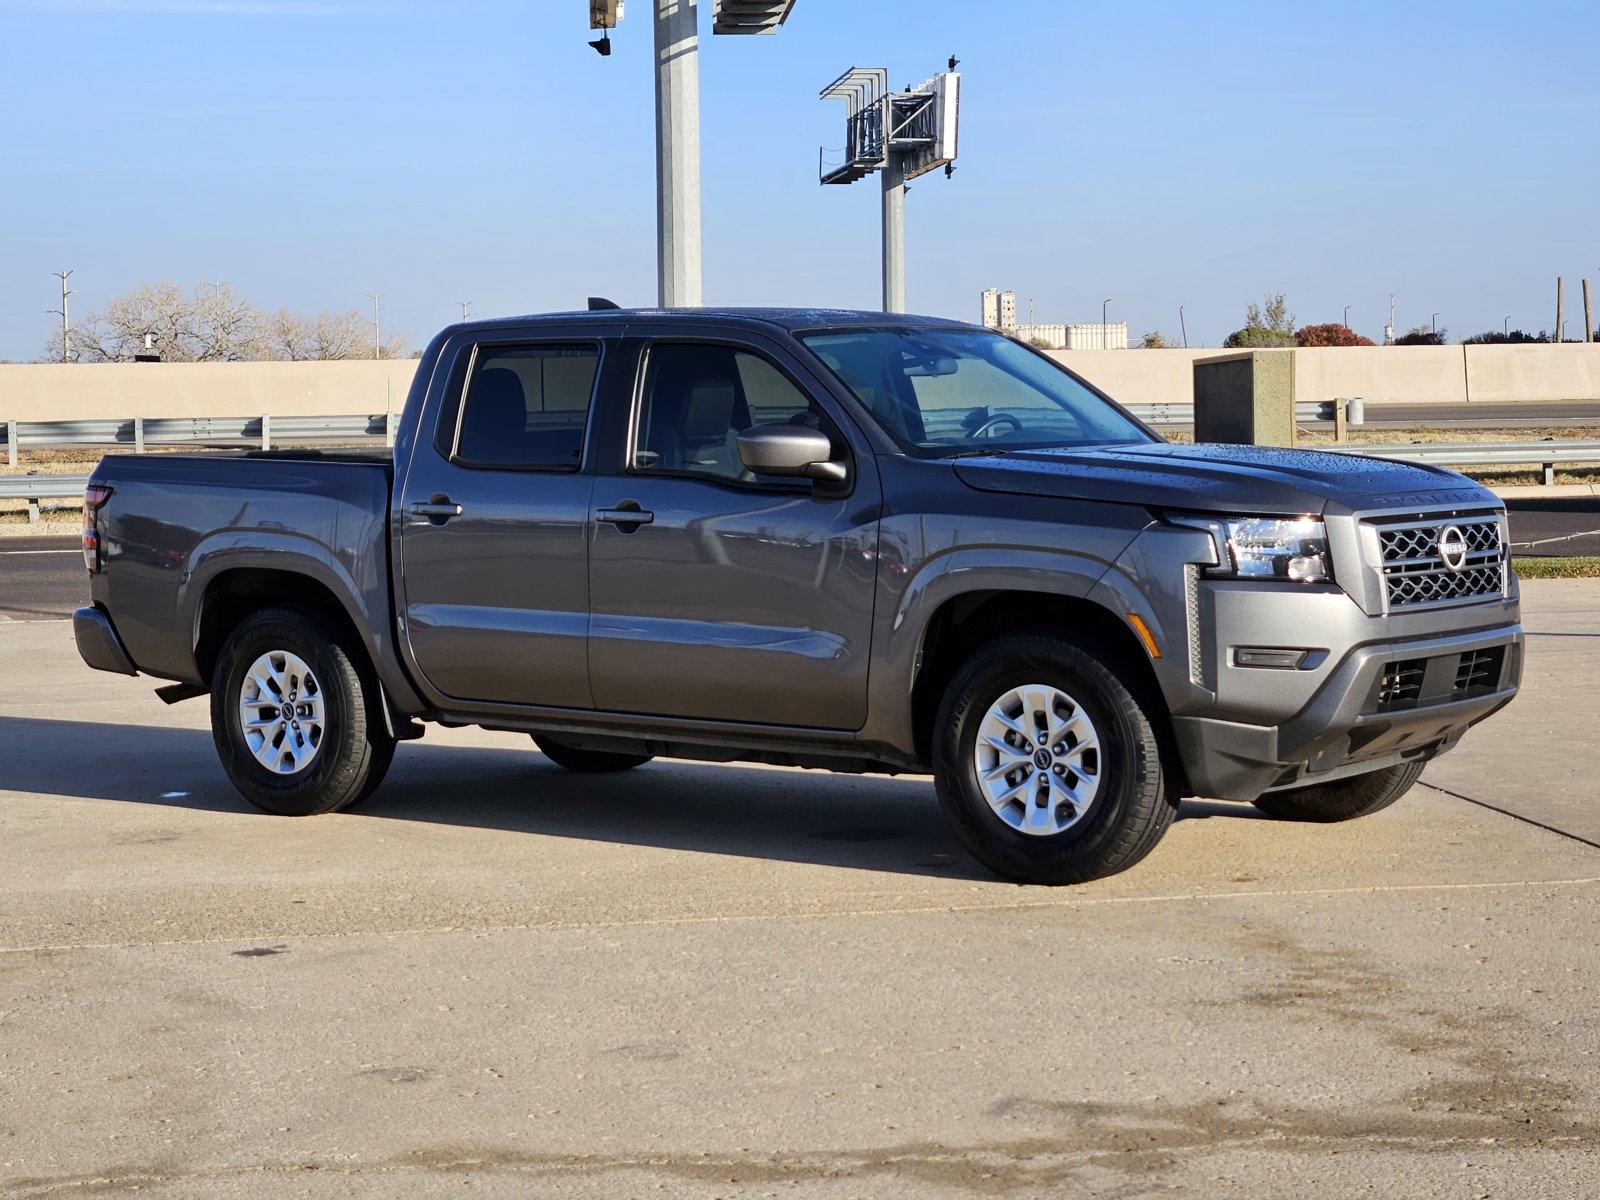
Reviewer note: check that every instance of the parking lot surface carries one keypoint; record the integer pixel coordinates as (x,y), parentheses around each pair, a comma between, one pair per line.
(499,979)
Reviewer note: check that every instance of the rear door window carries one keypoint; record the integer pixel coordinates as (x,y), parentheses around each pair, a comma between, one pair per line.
(527,407)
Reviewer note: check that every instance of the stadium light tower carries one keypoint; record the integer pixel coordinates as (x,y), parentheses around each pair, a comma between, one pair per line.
(900,135)
(677,72)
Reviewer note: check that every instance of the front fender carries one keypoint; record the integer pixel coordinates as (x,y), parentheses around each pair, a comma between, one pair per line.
(902,627)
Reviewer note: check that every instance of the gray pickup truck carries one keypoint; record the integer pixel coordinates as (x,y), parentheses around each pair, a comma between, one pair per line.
(816,538)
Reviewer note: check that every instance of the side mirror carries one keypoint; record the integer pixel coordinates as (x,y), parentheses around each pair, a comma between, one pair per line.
(791,450)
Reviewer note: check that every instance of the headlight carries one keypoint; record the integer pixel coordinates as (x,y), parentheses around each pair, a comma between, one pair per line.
(1295,549)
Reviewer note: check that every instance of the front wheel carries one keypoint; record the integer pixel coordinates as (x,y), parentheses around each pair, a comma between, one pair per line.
(294,721)
(1047,766)
(1343,799)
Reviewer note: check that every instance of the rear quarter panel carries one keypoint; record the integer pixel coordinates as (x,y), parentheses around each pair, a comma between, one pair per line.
(174,524)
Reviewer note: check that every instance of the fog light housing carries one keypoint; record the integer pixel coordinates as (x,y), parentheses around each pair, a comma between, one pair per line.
(1272,658)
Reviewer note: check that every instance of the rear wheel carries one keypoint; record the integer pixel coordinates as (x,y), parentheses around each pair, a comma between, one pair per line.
(1047,766)
(294,722)
(1343,799)
(588,762)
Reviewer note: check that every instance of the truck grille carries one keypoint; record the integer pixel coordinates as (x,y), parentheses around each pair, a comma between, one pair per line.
(1441,560)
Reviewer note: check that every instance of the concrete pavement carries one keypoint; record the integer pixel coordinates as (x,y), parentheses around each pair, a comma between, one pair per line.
(714,981)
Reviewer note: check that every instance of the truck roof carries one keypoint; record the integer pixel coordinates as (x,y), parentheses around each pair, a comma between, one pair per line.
(783,318)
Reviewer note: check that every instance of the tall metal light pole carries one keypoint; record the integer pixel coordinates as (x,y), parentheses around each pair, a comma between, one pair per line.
(66,316)
(1347,316)
(678,276)
(377,324)
(1183,327)
(1507,324)
(466,306)
(1435,323)
(894,235)
(1104,304)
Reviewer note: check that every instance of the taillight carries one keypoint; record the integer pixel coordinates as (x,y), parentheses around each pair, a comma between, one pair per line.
(94,498)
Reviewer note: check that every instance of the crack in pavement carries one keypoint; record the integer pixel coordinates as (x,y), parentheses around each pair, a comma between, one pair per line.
(1515,816)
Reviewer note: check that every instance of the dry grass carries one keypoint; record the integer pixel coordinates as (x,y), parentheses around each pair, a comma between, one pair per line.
(1581,567)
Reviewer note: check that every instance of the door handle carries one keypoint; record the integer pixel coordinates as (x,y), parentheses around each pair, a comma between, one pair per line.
(626,516)
(438,510)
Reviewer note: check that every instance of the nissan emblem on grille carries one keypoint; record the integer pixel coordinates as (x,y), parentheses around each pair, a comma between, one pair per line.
(1450,559)
(1452,548)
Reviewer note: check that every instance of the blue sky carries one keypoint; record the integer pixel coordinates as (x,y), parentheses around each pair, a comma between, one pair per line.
(313,152)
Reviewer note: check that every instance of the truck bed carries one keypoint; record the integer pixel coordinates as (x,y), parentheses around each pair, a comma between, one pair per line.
(175,523)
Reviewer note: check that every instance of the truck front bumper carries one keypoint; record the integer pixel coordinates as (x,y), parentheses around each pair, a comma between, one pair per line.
(1384,704)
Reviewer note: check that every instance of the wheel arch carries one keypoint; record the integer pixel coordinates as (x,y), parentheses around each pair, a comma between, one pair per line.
(964,623)
(226,582)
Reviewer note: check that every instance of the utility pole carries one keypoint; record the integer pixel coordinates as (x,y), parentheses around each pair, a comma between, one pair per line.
(1183,327)
(66,316)
(377,325)
(677,153)
(1561,298)
(466,309)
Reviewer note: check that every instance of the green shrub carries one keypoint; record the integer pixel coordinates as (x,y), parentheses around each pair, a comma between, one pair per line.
(1423,336)
(1257,337)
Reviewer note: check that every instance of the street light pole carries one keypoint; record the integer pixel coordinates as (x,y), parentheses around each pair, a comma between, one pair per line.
(66,316)
(1347,316)
(377,325)
(678,153)
(894,233)
(466,305)
(1183,327)
(1435,323)
(1508,325)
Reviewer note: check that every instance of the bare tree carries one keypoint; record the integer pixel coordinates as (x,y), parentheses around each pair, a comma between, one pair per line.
(329,335)
(1274,314)
(214,324)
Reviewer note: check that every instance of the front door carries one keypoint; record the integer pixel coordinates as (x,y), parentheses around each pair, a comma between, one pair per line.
(717,593)
(494,558)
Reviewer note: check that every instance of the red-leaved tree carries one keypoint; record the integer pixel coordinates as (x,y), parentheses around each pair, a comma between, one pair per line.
(1332,334)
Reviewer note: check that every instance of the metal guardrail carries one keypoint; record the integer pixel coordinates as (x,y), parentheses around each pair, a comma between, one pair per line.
(139,432)
(1545,454)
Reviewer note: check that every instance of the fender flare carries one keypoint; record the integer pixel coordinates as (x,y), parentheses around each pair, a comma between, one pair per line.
(286,550)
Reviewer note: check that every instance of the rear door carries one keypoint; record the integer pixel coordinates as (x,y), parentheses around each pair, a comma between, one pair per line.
(716,593)
(493,519)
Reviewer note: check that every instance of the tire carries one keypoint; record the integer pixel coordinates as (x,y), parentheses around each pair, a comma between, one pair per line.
(343,747)
(1343,799)
(588,762)
(1129,803)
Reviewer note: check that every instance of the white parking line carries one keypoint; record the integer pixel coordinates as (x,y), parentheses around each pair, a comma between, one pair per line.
(73,551)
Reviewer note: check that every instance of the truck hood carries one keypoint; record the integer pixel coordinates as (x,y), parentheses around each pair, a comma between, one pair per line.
(1220,478)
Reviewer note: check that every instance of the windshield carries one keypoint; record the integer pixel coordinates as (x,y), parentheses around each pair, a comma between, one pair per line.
(938,391)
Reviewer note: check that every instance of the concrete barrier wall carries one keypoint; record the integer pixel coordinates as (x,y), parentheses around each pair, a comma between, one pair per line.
(111,391)
(1412,374)
(1403,374)
(1138,376)
(1506,374)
